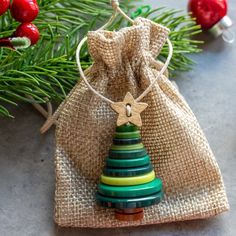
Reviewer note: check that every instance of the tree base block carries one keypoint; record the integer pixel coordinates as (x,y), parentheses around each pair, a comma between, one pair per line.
(129,214)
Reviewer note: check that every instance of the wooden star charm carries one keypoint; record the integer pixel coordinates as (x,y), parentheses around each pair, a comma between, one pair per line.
(129,110)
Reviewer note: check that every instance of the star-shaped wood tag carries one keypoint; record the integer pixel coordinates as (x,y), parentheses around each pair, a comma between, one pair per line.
(129,110)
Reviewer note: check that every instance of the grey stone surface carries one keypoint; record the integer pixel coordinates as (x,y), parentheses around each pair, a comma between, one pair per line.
(26,158)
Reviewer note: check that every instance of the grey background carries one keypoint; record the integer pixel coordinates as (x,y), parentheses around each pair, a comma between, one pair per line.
(26,157)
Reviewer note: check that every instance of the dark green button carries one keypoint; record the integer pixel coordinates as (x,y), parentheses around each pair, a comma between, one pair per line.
(136,202)
(135,134)
(131,191)
(127,141)
(125,163)
(127,153)
(127,172)
(126,128)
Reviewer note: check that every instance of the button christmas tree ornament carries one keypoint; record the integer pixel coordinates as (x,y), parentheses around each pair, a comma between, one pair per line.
(128,182)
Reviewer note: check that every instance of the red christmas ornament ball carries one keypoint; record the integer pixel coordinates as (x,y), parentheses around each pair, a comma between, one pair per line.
(4,5)
(28,30)
(24,10)
(208,12)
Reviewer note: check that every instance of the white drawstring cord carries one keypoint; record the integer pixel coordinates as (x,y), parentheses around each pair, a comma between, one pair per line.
(117,9)
(145,92)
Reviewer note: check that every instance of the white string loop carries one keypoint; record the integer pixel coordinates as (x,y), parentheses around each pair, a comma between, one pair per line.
(116,9)
(115,6)
(146,91)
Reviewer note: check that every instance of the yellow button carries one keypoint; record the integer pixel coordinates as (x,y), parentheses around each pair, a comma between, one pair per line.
(128,181)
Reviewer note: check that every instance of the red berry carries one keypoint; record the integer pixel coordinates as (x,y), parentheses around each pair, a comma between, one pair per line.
(24,10)
(28,30)
(4,5)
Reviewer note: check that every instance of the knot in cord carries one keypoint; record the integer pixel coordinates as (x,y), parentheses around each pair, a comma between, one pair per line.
(115,4)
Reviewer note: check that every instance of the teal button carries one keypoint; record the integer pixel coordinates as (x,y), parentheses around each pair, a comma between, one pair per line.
(136,202)
(125,163)
(127,141)
(128,153)
(127,172)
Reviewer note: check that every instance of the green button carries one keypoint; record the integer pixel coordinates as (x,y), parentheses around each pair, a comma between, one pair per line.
(136,202)
(128,162)
(127,141)
(135,134)
(126,128)
(128,181)
(127,147)
(127,172)
(127,153)
(131,191)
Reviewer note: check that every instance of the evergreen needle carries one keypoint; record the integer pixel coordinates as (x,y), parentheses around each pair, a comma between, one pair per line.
(48,69)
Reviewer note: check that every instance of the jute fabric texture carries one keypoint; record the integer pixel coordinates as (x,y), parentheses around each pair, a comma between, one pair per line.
(125,61)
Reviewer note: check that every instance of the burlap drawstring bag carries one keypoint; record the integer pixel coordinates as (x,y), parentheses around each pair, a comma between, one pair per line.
(125,61)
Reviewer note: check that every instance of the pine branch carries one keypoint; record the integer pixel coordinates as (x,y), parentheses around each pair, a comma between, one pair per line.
(48,70)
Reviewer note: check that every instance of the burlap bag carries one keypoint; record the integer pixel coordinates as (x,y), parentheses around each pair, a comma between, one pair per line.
(125,61)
